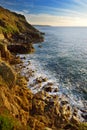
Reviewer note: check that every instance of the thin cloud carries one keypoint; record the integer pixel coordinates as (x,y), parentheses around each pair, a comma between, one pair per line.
(44,19)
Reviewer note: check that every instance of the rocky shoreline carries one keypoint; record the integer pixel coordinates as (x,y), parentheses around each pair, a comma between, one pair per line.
(38,83)
(20,108)
(39,111)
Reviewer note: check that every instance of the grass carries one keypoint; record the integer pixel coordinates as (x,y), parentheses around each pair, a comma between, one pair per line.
(6,123)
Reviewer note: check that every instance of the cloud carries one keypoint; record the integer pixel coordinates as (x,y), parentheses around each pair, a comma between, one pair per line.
(44,19)
(57,13)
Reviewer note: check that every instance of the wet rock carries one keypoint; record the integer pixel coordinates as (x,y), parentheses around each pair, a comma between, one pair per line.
(55,90)
(84,115)
(30,73)
(29,62)
(47,88)
(50,84)
(23,57)
(41,79)
(40,46)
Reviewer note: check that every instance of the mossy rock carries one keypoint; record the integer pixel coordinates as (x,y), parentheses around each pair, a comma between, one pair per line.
(7,74)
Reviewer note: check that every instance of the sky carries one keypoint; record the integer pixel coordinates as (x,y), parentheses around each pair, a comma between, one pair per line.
(50,12)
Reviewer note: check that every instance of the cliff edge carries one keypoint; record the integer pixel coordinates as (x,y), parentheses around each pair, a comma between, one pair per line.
(15,30)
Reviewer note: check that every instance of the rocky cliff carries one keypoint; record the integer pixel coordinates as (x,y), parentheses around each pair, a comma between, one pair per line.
(15,30)
(20,109)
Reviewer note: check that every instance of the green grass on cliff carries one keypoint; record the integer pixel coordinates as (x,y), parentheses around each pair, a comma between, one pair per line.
(9,123)
(11,22)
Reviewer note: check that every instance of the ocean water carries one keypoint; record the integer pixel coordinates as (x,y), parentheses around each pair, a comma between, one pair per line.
(63,58)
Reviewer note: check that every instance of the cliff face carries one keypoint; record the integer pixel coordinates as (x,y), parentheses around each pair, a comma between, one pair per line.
(15,29)
(20,109)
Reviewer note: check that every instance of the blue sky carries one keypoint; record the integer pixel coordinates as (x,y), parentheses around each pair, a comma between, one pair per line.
(50,12)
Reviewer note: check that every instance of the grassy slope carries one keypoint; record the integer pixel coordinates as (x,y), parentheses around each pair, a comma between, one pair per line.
(12,22)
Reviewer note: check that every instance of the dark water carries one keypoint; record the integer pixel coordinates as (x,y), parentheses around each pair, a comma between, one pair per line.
(64,56)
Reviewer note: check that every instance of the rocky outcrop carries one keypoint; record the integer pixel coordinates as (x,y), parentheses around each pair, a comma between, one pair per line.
(39,111)
(15,30)
(21,48)
(6,55)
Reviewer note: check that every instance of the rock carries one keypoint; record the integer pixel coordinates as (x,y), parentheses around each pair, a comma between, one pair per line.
(21,48)
(66,111)
(55,90)
(7,74)
(75,120)
(41,79)
(49,83)
(47,88)
(40,46)
(84,115)
(35,124)
(70,127)
(30,73)
(4,52)
(38,106)
(21,81)
(64,102)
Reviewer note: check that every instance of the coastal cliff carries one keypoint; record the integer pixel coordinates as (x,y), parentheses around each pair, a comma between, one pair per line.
(17,33)
(20,109)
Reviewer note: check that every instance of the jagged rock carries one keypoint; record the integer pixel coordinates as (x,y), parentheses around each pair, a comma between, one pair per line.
(7,74)
(66,111)
(41,79)
(4,52)
(55,90)
(48,88)
(38,106)
(21,48)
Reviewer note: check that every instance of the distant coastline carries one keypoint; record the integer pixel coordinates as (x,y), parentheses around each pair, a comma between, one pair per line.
(42,25)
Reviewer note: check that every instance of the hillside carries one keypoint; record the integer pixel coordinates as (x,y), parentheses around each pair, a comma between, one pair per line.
(15,29)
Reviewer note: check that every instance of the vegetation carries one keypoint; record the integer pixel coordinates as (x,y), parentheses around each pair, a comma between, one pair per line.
(11,22)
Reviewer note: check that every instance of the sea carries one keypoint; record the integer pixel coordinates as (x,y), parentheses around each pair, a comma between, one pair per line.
(62,57)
